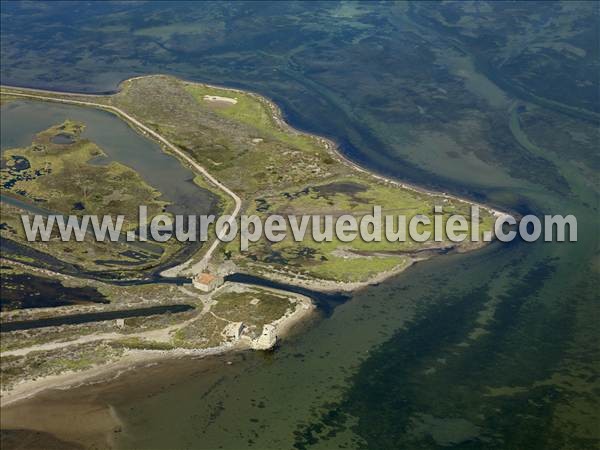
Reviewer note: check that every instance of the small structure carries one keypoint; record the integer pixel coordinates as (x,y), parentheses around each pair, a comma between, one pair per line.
(206,281)
(234,330)
(218,98)
(266,340)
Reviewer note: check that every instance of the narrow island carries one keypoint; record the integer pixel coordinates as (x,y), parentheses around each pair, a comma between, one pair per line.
(73,311)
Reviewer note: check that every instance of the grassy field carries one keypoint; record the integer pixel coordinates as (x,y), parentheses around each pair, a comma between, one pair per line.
(254,307)
(56,174)
(59,176)
(242,140)
(278,170)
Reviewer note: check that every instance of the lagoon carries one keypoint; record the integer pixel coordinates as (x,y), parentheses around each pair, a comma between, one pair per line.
(482,350)
(22,119)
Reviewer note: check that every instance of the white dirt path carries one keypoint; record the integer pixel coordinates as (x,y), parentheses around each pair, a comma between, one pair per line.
(203,263)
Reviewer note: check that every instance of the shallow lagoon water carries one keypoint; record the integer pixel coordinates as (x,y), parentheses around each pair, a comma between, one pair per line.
(463,351)
(374,363)
(21,120)
(376,352)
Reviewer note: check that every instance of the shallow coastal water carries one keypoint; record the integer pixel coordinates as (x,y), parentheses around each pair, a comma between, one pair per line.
(408,349)
(375,358)
(481,350)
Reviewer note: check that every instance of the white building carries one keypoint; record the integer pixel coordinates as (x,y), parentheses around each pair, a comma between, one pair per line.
(234,330)
(266,340)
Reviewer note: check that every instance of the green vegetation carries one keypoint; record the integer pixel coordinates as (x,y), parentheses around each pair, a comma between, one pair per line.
(254,307)
(204,333)
(200,328)
(254,111)
(422,91)
(88,254)
(56,174)
(285,172)
(357,260)
(55,171)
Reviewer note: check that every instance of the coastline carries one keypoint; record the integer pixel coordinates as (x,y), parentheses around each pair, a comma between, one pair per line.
(331,146)
(331,286)
(136,358)
(201,260)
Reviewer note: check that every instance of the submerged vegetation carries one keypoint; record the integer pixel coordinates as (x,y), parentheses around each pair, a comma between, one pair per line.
(497,101)
(286,173)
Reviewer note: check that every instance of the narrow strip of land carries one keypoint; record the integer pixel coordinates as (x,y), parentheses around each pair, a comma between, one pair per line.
(203,263)
(322,165)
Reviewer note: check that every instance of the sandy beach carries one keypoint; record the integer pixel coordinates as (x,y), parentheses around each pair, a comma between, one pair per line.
(135,358)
